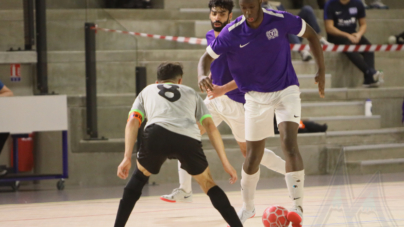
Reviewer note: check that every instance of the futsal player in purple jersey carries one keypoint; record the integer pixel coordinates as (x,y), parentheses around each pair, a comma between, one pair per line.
(259,59)
(225,103)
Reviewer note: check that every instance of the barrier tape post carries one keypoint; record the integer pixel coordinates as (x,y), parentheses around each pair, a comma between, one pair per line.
(293,47)
(91,82)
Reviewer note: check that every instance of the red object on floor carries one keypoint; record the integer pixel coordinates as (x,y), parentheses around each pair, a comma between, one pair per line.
(25,154)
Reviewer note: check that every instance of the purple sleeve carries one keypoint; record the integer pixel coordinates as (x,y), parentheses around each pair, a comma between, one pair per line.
(402,121)
(221,44)
(210,36)
(294,24)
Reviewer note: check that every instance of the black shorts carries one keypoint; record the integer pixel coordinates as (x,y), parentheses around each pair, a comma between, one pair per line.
(158,144)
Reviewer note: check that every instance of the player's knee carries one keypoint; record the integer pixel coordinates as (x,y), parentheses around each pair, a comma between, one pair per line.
(206,184)
(290,145)
(243,149)
(307,9)
(137,181)
(251,167)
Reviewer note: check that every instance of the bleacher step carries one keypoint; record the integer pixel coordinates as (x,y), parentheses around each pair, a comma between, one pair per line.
(322,109)
(339,123)
(369,153)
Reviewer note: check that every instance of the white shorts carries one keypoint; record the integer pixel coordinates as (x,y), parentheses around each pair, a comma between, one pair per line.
(229,111)
(260,108)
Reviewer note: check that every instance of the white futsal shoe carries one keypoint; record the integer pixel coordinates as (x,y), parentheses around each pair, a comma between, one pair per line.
(295,216)
(178,195)
(244,215)
(306,56)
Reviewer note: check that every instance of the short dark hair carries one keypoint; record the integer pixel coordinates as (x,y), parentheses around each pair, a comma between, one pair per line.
(226,4)
(169,71)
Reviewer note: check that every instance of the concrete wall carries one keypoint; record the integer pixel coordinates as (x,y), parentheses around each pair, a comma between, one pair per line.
(26,85)
(57,4)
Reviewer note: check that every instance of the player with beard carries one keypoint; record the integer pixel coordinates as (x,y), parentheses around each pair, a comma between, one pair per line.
(225,103)
(258,55)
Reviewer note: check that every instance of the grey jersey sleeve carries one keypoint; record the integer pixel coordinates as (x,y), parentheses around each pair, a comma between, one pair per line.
(138,107)
(201,111)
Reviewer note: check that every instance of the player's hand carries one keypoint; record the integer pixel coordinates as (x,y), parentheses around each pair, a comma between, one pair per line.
(216,92)
(232,172)
(123,168)
(357,36)
(353,39)
(205,83)
(320,80)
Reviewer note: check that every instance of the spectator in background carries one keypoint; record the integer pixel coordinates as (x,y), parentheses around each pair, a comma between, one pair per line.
(298,4)
(4,92)
(307,14)
(341,18)
(402,120)
(130,4)
(375,4)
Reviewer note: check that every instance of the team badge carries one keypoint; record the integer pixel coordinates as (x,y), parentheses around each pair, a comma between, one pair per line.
(353,10)
(272,34)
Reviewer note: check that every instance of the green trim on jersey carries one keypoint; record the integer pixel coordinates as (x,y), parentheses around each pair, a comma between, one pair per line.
(136,110)
(204,116)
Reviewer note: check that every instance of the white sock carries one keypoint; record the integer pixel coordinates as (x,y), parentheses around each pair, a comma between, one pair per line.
(273,162)
(295,184)
(185,179)
(248,188)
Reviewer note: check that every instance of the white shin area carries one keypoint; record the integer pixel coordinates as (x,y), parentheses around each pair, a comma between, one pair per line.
(185,179)
(248,188)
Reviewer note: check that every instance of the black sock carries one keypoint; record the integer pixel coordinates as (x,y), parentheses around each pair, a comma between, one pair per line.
(222,204)
(131,195)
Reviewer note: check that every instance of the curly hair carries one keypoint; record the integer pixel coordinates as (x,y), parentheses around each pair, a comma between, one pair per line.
(226,4)
(169,71)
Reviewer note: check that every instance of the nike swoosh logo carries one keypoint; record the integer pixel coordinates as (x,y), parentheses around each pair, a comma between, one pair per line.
(186,197)
(296,198)
(295,116)
(241,46)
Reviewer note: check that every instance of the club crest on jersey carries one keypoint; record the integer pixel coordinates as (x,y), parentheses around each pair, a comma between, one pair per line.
(353,10)
(272,34)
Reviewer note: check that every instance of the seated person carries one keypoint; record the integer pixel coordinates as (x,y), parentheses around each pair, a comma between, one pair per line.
(4,92)
(402,120)
(307,14)
(146,4)
(298,4)
(341,18)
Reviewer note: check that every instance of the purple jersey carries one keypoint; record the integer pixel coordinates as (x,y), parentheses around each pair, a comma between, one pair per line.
(221,73)
(259,59)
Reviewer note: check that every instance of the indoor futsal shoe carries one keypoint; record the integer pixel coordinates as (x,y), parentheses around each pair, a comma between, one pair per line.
(295,216)
(244,215)
(178,195)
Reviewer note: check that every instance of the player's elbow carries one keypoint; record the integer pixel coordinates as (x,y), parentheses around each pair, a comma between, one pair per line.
(328,29)
(328,26)
(9,93)
(133,124)
(206,59)
(208,124)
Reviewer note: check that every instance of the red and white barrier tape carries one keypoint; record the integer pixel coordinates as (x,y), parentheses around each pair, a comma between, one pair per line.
(180,39)
(293,47)
(351,48)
